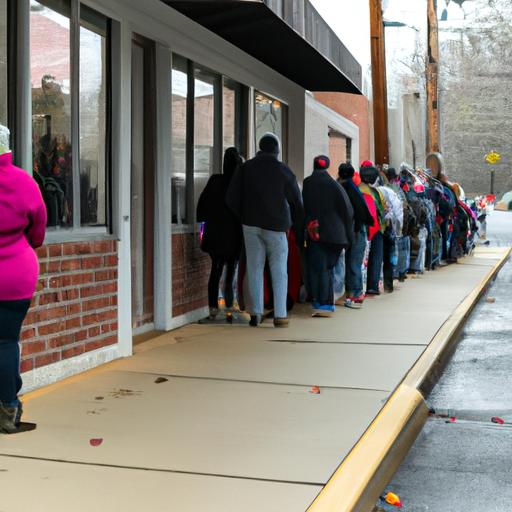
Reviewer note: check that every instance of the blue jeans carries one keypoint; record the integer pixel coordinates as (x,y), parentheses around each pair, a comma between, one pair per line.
(321,260)
(375,260)
(404,254)
(260,245)
(12,314)
(338,276)
(354,257)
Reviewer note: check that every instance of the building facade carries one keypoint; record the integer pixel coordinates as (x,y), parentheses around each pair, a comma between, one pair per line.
(122,110)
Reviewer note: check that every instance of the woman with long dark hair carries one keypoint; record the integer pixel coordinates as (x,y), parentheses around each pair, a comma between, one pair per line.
(222,235)
(22,229)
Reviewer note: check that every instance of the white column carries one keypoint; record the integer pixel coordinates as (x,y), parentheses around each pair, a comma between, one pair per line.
(163,212)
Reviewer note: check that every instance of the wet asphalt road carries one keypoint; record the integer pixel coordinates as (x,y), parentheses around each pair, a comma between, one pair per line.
(467,465)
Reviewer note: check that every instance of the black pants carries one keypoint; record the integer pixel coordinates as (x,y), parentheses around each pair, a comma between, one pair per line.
(375,260)
(12,314)
(388,266)
(218,263)
(321,259)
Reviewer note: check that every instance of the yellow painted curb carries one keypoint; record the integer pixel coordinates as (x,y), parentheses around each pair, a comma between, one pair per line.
(359,480)
(357,483)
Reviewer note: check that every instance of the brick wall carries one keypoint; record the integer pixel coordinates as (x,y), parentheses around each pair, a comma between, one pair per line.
(75,308)
(190,271)
(355,108)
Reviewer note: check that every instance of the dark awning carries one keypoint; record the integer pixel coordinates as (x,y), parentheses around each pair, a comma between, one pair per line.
(316,60)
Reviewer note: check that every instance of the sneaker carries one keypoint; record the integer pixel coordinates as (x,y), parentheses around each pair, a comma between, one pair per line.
(371,293)
(255,320)
(281,322)
(353,303)
(324,311)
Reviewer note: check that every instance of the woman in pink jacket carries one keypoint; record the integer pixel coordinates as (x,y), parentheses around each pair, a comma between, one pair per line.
(22,229)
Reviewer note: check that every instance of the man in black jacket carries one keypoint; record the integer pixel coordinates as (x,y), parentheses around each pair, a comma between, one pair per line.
(329,222)
(355,254)
(265,196)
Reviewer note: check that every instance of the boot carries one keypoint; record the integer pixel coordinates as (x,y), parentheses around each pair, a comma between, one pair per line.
(10,420)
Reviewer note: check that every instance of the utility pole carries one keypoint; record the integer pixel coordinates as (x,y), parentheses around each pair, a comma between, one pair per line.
(432,73)
(380,93)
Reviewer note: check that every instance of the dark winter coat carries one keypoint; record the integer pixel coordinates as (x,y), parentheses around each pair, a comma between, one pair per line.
(264,193)
(326,201)
(222,231)
(362,215)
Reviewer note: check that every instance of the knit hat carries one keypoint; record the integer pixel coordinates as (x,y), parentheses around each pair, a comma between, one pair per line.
(366,163)
(369,174)
(346,171)
(391,174)
(321,162)
(269,143)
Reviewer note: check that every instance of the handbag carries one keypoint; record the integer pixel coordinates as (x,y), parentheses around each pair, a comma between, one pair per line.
(313,229)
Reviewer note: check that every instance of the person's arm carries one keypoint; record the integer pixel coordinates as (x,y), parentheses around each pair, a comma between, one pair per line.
(346,211)
(294,199)
(36,229)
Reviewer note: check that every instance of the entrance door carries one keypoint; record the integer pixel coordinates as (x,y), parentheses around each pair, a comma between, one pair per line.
(143,184)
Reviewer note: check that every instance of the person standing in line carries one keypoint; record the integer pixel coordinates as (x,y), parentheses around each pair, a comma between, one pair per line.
(369,178)
(265,197)
(22,229)
(409,220)
(329,227)
(354,255)
(395,221)
(222,235)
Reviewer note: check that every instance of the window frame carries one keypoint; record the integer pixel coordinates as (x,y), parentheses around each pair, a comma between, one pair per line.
(241,127)
(19,59)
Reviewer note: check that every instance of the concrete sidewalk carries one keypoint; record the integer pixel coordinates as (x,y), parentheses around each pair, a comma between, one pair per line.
(235,426)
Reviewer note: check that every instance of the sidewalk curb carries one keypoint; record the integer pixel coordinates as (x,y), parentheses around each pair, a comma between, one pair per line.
(427,370)
(359,480)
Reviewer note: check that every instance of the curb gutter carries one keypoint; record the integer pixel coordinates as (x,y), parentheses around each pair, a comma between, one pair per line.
(359,480)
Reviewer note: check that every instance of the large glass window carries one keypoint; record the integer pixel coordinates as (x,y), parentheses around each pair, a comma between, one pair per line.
(179,138)
(199,132)
(53,91)
(93,118)
(50,69)
(270,117)
(3,62)
(204,129)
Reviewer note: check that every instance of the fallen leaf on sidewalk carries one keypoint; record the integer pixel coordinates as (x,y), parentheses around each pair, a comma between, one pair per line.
(159,380)
(96,441)
(315,390)
(490,300)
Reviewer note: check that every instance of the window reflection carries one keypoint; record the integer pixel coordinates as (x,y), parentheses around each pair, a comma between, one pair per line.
(93,118)
(229,114)
(51,109)
(179,139)
(204,112)
(3,62)
(270,116)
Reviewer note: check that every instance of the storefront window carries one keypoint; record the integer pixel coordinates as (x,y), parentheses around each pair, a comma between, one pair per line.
(229,114)
(179,139)
(51,58)
(93,118)
(197,153)
(270,117)
(204,129)
(50,66)
(3,62)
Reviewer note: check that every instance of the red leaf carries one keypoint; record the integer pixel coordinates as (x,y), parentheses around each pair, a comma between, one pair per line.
(96,441)
(315,390)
